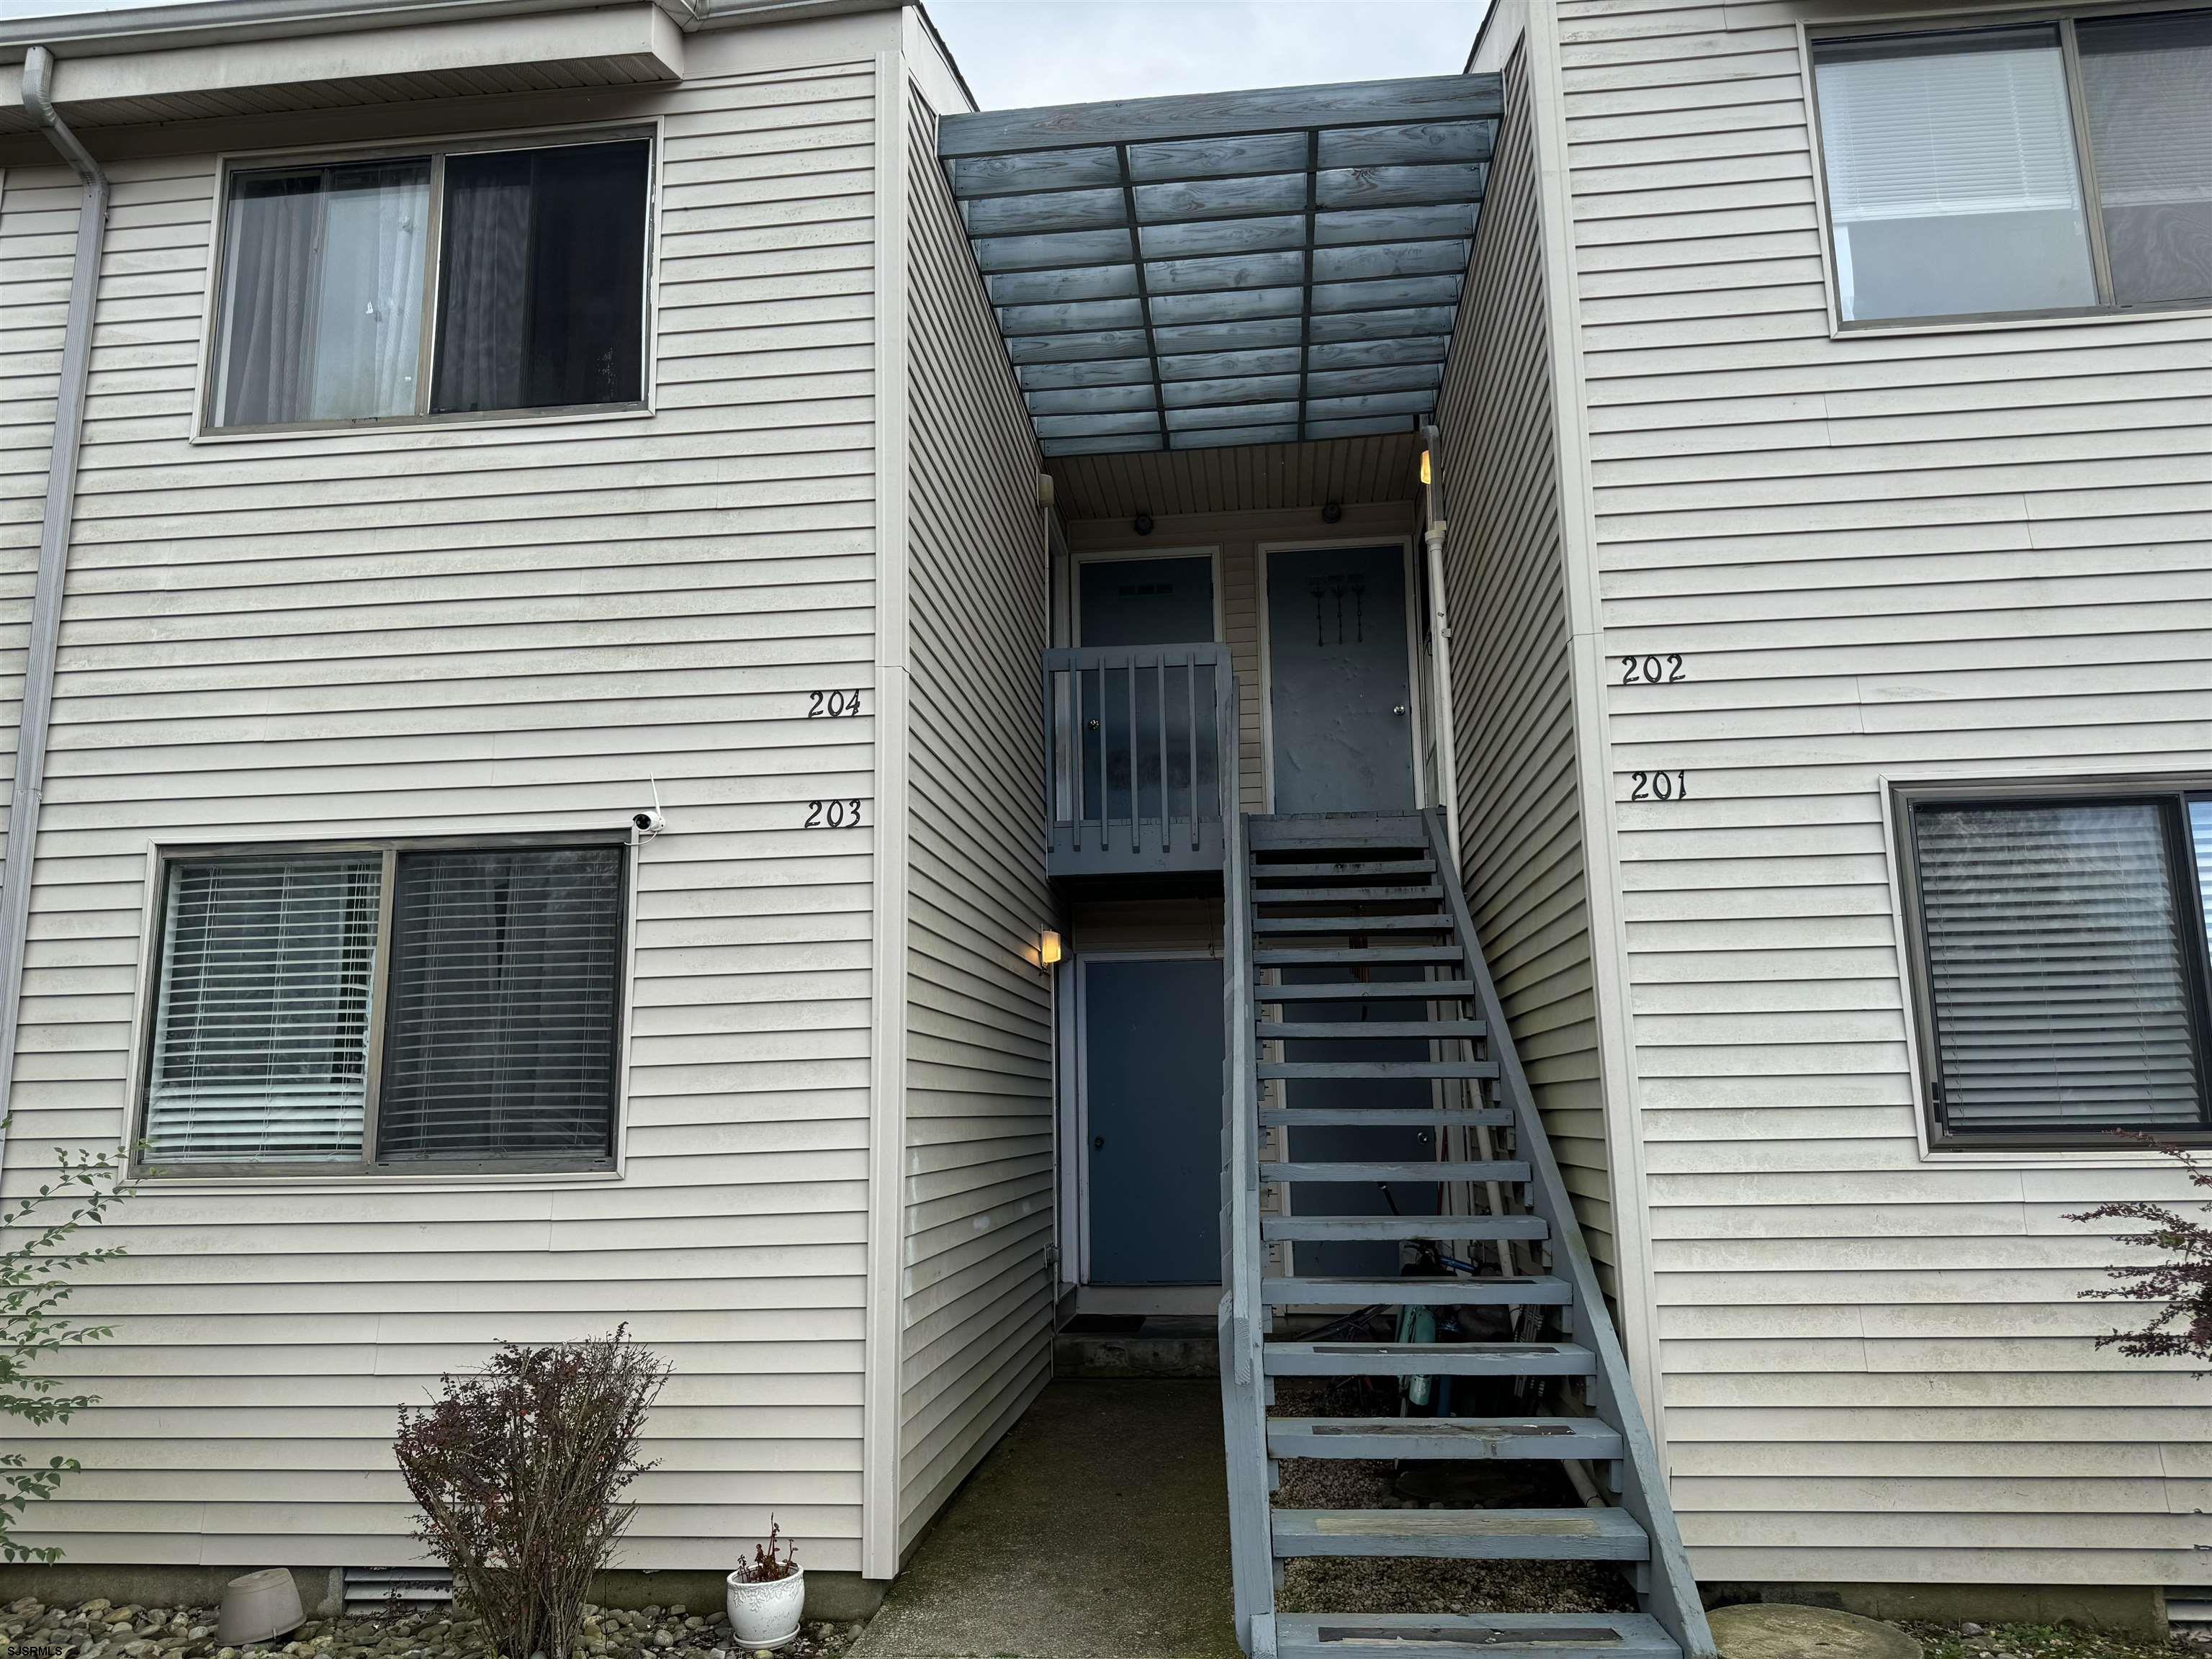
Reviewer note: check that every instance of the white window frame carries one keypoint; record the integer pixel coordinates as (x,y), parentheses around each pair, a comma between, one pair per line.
(205,428)
(1952,22)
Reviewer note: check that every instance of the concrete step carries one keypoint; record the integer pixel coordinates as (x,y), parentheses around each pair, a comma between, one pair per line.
(1399,1439)
(1496,1635)
(1456,1290)
(1578,1534)
(1427,1359)
(1096,1348)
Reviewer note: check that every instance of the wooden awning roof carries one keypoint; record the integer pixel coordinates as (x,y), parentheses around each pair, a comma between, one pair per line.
(1228,268)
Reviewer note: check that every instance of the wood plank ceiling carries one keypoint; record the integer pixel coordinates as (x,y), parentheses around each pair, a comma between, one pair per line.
(1227,268)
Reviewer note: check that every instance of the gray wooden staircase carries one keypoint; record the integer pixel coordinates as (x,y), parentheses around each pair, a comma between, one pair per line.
(1359,1130)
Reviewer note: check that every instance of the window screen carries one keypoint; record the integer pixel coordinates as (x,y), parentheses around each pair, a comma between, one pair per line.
(541,299)
(500,1039)
(1952,188)
(2147,83)
(2058,977)
(260,1044)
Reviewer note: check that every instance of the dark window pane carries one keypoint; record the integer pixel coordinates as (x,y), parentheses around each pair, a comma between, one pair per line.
(2056,967)
(261,1022)
(1952,189)
(322,301)
(500,1042)
(541,302)
(2148,83)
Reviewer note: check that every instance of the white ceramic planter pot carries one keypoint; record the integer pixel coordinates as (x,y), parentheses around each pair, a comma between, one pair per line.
(766,1615)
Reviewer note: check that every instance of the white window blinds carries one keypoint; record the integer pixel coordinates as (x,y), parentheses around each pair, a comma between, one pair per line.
(261,1038)
(1951,175)
(2056,967)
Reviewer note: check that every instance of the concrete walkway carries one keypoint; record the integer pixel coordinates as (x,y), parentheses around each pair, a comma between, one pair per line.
(1098,1529)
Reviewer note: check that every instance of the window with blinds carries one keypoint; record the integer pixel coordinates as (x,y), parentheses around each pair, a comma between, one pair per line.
(1958,184)
(261,1036)
(501,1035)
(2063,948)
(388,1006)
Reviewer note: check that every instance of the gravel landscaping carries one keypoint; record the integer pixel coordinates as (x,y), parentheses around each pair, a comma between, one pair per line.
(101,1630)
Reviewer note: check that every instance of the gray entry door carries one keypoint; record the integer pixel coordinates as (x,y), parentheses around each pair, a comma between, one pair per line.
(1152,1034)
(1339,695)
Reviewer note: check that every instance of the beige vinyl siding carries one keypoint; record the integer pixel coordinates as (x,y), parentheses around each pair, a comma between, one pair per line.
(37,241)
(1521,832)
(469,631)
(1235,539)
(1972,553)
(976,1321)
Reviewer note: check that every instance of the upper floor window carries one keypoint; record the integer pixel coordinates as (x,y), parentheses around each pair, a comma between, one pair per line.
(455,283)
(2045,168)
(2061,967)
(393,1008)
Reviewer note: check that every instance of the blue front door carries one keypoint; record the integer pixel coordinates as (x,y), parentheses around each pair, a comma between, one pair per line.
(1340,697)
(1151,1036)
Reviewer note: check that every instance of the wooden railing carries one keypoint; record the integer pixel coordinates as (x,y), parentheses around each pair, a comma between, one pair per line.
(1139,742)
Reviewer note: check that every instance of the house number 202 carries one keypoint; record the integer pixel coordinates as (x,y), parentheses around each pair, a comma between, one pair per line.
(1658,785)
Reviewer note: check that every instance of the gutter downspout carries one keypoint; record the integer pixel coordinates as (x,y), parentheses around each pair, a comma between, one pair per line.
(53,556)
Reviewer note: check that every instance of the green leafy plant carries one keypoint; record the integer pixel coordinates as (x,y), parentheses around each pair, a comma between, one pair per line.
(520,1471)
(39,1256)
(2181,1281)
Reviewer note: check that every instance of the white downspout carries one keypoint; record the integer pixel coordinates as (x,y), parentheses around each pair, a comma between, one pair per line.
(53,555)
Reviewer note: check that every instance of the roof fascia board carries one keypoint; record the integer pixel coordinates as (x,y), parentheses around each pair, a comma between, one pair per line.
(217,22)
(1222,114)
(638,34)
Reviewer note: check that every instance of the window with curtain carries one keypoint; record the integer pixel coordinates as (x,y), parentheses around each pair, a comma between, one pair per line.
(536,257)
(388,1007)
(2062,946)
(1958,186)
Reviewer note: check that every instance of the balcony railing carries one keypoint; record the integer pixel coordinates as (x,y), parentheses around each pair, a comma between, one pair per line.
(1135,741)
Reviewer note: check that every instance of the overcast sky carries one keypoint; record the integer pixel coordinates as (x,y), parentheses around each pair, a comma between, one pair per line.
(1019,52)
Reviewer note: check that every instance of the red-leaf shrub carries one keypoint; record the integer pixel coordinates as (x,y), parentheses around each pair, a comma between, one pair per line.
(2182,1329)
(767,1566)
(521,1473)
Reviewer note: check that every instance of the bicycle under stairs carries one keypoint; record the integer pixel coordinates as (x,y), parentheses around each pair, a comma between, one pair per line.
(1372,1082)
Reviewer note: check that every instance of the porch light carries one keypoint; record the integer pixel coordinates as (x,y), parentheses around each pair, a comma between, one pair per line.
(1425,466)
(1048,949)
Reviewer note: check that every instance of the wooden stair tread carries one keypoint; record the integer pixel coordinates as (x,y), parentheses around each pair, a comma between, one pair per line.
(1342,869)
(1390,1438)
(1338,1227)
(1322,956)
(1376,1068)
(1387,1117)
(1445,1635)
(1384,893)
(1500,1169)
(1355,1030)
(1453,1291)
(1426,1359)
(1396,990)
(1421,924)
(1577,1534)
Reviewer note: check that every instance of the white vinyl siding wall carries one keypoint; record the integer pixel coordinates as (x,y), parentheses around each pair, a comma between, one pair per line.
(1957,554)
(976,1287)
(478,630)
(37,237)
(1521,840)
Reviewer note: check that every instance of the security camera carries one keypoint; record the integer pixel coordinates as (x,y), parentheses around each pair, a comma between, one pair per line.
(648,823)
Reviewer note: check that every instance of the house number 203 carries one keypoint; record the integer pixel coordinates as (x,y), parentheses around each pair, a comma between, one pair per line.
(833,814)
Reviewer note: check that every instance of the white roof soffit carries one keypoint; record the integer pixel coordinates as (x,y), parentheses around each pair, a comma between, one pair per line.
(251,57)
(1227,268)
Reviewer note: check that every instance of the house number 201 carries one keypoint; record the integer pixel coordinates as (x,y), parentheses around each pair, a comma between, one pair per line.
(1658,785)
